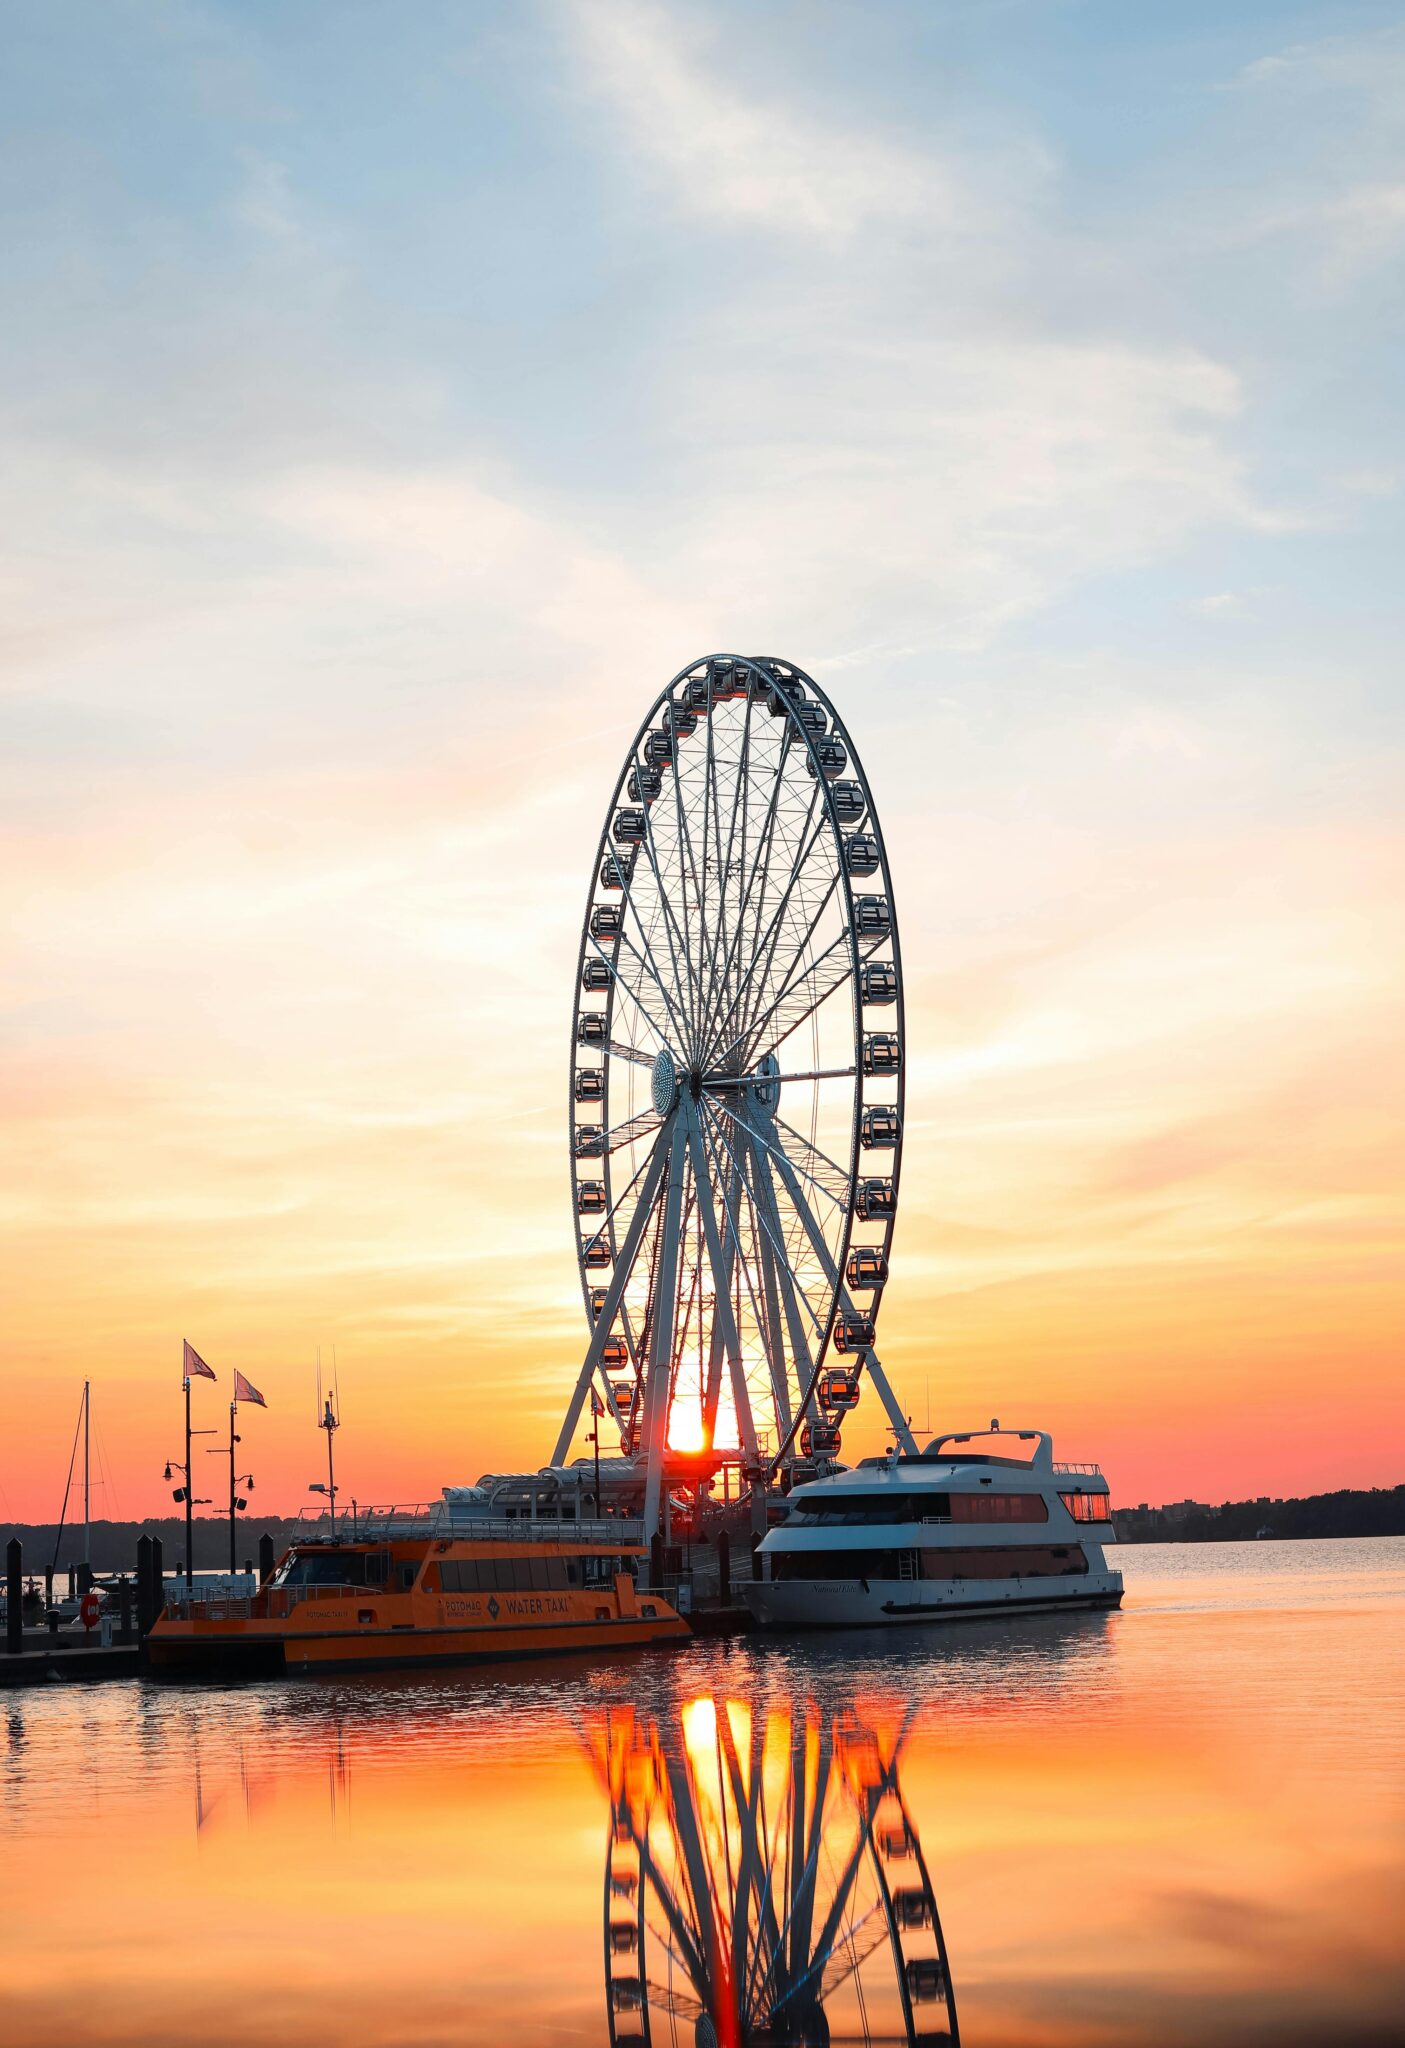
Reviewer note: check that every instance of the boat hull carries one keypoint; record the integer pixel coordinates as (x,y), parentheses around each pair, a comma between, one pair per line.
(194,1650)
(892,1603)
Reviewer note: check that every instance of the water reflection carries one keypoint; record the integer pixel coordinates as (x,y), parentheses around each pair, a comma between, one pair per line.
(1181,1823)
(765,1881)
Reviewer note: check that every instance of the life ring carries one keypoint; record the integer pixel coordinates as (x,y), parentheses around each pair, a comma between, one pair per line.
(89,1608)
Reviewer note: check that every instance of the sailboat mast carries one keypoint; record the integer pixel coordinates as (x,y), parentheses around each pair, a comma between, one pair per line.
(87,1417)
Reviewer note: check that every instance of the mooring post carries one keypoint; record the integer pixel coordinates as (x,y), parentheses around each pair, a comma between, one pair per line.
(143,1584)
(265,1558)
(158,1580)
(14,1596)
(724,1568)
(124,1609)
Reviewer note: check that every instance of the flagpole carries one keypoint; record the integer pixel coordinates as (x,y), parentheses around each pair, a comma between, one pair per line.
(595,1439)
(189,1490)
(233,1489)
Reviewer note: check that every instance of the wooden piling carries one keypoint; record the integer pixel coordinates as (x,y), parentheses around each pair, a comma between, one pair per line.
(14,1596)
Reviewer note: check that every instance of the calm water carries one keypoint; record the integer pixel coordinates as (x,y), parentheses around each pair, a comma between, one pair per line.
(1181,1823)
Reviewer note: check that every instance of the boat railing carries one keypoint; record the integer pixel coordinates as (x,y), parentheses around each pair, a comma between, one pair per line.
(231,1609)
(1084,1471)
(434,1519)
(608,1531)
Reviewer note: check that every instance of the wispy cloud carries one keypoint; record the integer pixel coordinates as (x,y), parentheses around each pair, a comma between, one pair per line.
(724,153)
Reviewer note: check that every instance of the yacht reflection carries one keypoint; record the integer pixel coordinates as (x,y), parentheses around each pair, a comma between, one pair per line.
(765,1885)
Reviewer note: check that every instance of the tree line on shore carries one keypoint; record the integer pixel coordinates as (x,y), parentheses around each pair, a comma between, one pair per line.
(1348,1512)
(113,1545)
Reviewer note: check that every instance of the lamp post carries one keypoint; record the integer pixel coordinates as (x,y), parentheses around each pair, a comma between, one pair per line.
(186,1493)
(236,1480)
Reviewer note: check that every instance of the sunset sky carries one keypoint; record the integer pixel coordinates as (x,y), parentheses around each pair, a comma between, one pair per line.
(393,399)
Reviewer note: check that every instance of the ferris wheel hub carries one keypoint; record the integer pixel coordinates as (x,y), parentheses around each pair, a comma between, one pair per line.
(663,1085)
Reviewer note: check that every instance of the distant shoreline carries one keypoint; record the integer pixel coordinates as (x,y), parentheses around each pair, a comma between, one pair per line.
(1377,1512)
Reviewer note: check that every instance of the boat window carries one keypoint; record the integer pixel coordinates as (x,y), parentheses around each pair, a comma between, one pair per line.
(600,1571)
(999,1507)
(1088,1507)
(834,1564)
(1005,1562)
(854,1510)
(323,1568)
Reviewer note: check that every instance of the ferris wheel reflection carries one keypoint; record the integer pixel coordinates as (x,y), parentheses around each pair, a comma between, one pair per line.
(765,1886)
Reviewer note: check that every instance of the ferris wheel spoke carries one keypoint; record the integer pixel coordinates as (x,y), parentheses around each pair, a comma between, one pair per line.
(658,1389)
(793,1024)
(628,1133)
(776,1355)
(742,809)
(688,1952)
(626,986)
(685,1823)
(727,1021)
(720,1084)
(719,919)
(614,1294)
(725,991)
(753,1030)
(752,1863)
(796,952)
(759,1137)
(806,1835)
(778,1240)
(685,839)
(761,869)
(812,1152)
(713,1391)
(901,1428)
(826,1940)
(617,1049)
(740,803)
(788,1283)
(741,1393)
(646,962)
(675,1000)
(684,980)
(722,1299)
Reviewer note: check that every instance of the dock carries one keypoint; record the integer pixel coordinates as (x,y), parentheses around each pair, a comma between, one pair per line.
(41,1662)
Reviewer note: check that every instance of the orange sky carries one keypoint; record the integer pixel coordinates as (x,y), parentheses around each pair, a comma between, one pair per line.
(295,1076)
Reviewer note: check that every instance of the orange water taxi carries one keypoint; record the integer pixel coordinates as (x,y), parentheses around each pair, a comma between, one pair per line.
(391,1590)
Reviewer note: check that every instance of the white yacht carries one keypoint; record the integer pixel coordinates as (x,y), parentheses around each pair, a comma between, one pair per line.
(948,1532)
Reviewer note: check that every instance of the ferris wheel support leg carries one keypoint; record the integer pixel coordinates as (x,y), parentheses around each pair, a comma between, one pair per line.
(712,1392)
(722,1302)
(799,1343)
(659,1386)
(871,1365)
(614,1294)
(770,1296)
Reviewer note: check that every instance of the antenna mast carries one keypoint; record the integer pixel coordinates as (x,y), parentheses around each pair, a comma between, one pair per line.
(87,1417)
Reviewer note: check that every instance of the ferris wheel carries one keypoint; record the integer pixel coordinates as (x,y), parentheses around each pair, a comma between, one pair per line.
(736,1084)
